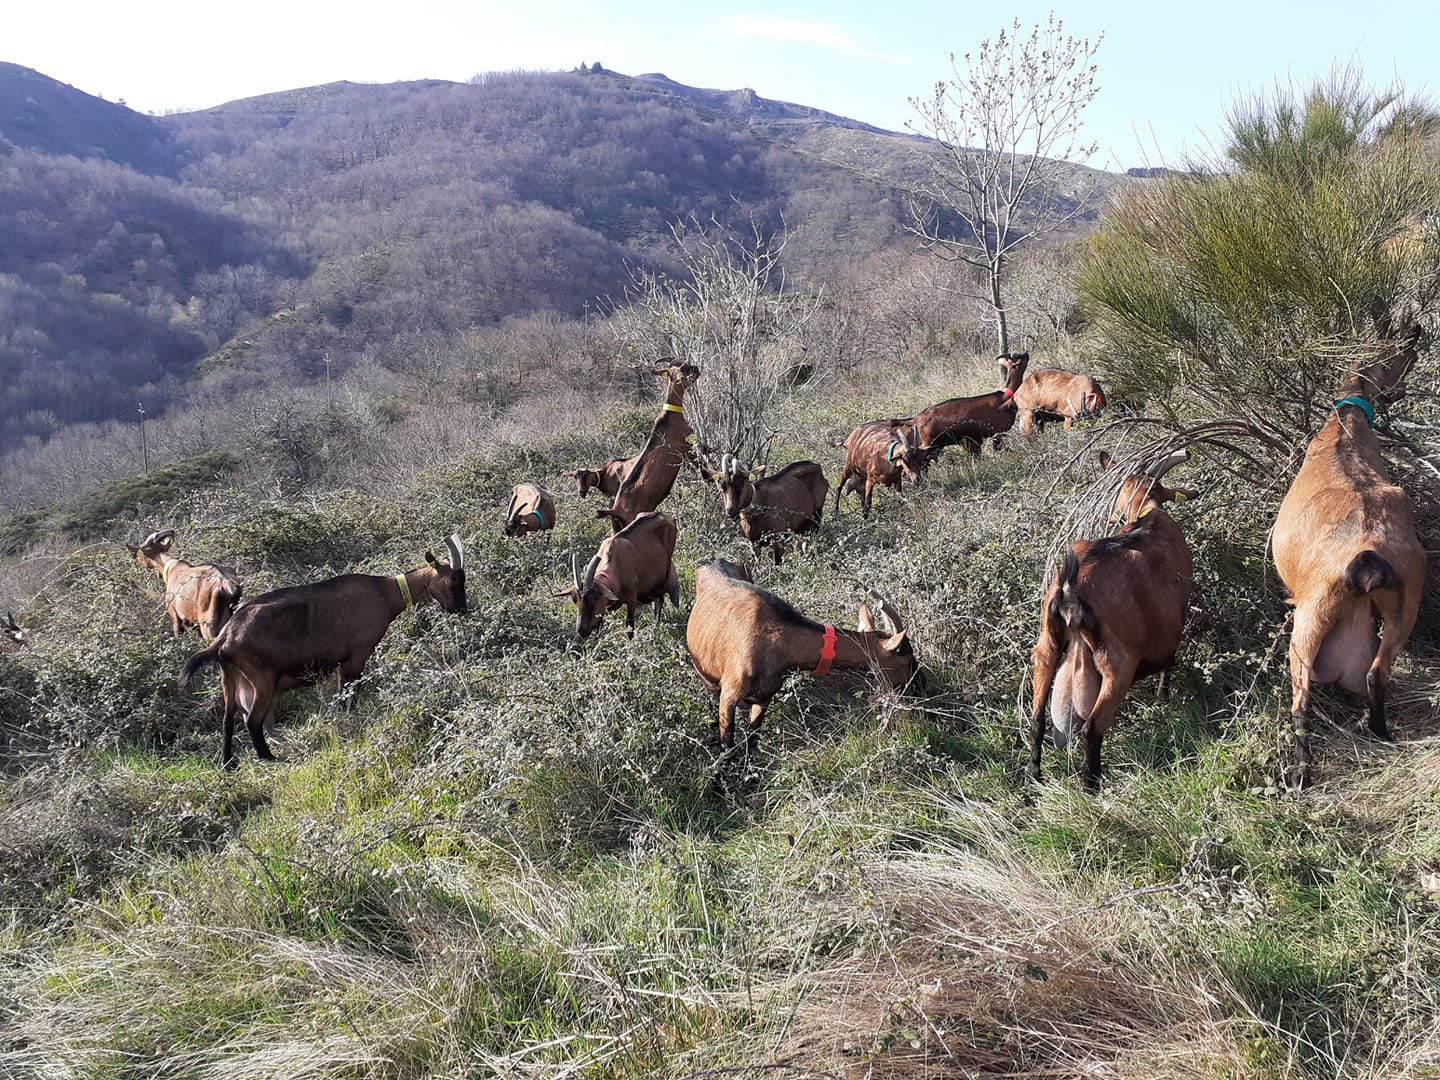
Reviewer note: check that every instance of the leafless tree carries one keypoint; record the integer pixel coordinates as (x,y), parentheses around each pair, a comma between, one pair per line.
(1008,132)
(736,319)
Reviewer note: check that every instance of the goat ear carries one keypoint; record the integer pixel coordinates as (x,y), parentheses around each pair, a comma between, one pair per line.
(895,642)
(132,549)
(431,561)
(1183,494)
(759,470)
(867,620)
(570,593)
(1104,461)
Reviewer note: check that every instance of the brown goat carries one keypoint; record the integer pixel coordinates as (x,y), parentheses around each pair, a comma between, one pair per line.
(633,566)
(792,500)
(1346,549)
(1054,394)
(744,641)
(531,510)
(606,479)
(653,475)
(969,421)
(881,453)
(12,636)
(203,596)
(292,637)
(1112,615)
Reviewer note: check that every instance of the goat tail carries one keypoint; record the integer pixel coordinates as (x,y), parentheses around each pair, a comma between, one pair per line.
(1368,572)
(1067,607)
(203,658)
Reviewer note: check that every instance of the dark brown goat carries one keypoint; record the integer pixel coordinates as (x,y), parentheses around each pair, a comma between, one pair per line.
(744,641)
(969,421)
(203,596)
(295,636)
(531,510)
(1113,614)
(1346,549)
(793,500)
(653,475)
(881,453)
(633,566)
(606,479)
(12,636)
(1054,394)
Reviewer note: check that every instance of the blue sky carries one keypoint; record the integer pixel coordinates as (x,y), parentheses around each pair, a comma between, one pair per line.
(1167,72)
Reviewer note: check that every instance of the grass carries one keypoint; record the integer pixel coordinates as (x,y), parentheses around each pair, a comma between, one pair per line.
(502,853)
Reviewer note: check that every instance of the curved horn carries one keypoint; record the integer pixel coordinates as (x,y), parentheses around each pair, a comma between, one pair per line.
(10,623)
(590,568)
(575,571)
(153,538)
(457,553)
(510,510)
(1169,462)
(887,612)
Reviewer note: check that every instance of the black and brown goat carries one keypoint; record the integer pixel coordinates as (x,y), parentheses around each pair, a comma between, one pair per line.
(295,636)
(881,453)
(606,479)
(633,566)
(969,421)
(744,641)
(653,475)
(1054,394)
(531,510)
(12,635)
(1346,549)
(791,501)
(203,596)
(1112,615)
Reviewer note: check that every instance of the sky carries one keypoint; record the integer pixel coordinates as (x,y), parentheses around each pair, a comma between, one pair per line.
(1168,74)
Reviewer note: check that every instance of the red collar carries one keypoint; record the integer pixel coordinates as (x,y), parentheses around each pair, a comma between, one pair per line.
(827,653)
(1008,393)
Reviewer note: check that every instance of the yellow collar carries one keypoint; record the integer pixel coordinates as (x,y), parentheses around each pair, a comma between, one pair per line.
(674,408)
(404,590)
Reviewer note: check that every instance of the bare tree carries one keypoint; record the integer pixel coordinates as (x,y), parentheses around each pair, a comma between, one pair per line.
(1008,128)
(734,317)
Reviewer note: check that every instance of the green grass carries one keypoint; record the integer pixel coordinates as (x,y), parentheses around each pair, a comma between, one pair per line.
(503,853)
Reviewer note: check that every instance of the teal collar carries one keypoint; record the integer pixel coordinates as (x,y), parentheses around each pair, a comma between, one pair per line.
(890,453)
(539,515)
(1361,404)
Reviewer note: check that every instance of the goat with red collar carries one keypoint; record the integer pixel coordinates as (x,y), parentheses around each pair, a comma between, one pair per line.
(745,641)
(969,421)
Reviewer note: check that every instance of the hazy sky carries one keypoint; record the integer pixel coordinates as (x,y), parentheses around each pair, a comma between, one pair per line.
(1167,71)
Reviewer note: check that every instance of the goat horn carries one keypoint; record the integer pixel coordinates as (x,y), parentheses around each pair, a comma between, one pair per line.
(590,569)
(10,620)
(151,539)
(457,553)
(510,510)
(575,571)
(1169,462)
(887,612)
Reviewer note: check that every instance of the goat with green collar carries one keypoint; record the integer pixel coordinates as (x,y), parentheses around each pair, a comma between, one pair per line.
(1346,549)
(531,510)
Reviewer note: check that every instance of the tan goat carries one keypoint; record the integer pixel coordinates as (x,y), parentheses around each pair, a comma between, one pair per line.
(531,510)
(203,595)
(633,566)
(647,483)
(1054,394)
(1346,549)
(881,453)
(1112,615)
(745,641)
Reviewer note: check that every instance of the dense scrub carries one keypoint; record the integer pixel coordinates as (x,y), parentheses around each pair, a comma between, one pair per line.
(505,853)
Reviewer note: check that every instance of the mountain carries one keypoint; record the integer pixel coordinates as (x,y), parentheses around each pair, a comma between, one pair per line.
(293,235)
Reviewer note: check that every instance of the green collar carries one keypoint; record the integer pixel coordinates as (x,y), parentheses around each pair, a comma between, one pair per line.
(1361,404)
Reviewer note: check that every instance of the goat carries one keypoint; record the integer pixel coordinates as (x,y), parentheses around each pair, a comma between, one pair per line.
(744,641)
(969,421)
(658,464)
(1346,548)
(294,636)
(1054,394)
(12,636)
(531,510)
(203,596)
(792,500)
(1113,614)
(633,566)
(880,453)
(605,479)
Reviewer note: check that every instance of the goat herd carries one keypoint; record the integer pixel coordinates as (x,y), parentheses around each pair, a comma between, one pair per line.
(1344,543)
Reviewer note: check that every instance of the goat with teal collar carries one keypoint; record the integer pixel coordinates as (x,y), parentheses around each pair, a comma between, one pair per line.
(532,510)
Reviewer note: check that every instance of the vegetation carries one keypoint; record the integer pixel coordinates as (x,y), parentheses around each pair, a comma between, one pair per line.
(506,852)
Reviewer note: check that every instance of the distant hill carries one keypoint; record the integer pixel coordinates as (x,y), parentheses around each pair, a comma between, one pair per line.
(39,113)
(294,234)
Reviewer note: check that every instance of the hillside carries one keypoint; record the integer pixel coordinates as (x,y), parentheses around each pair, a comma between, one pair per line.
(310,232)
